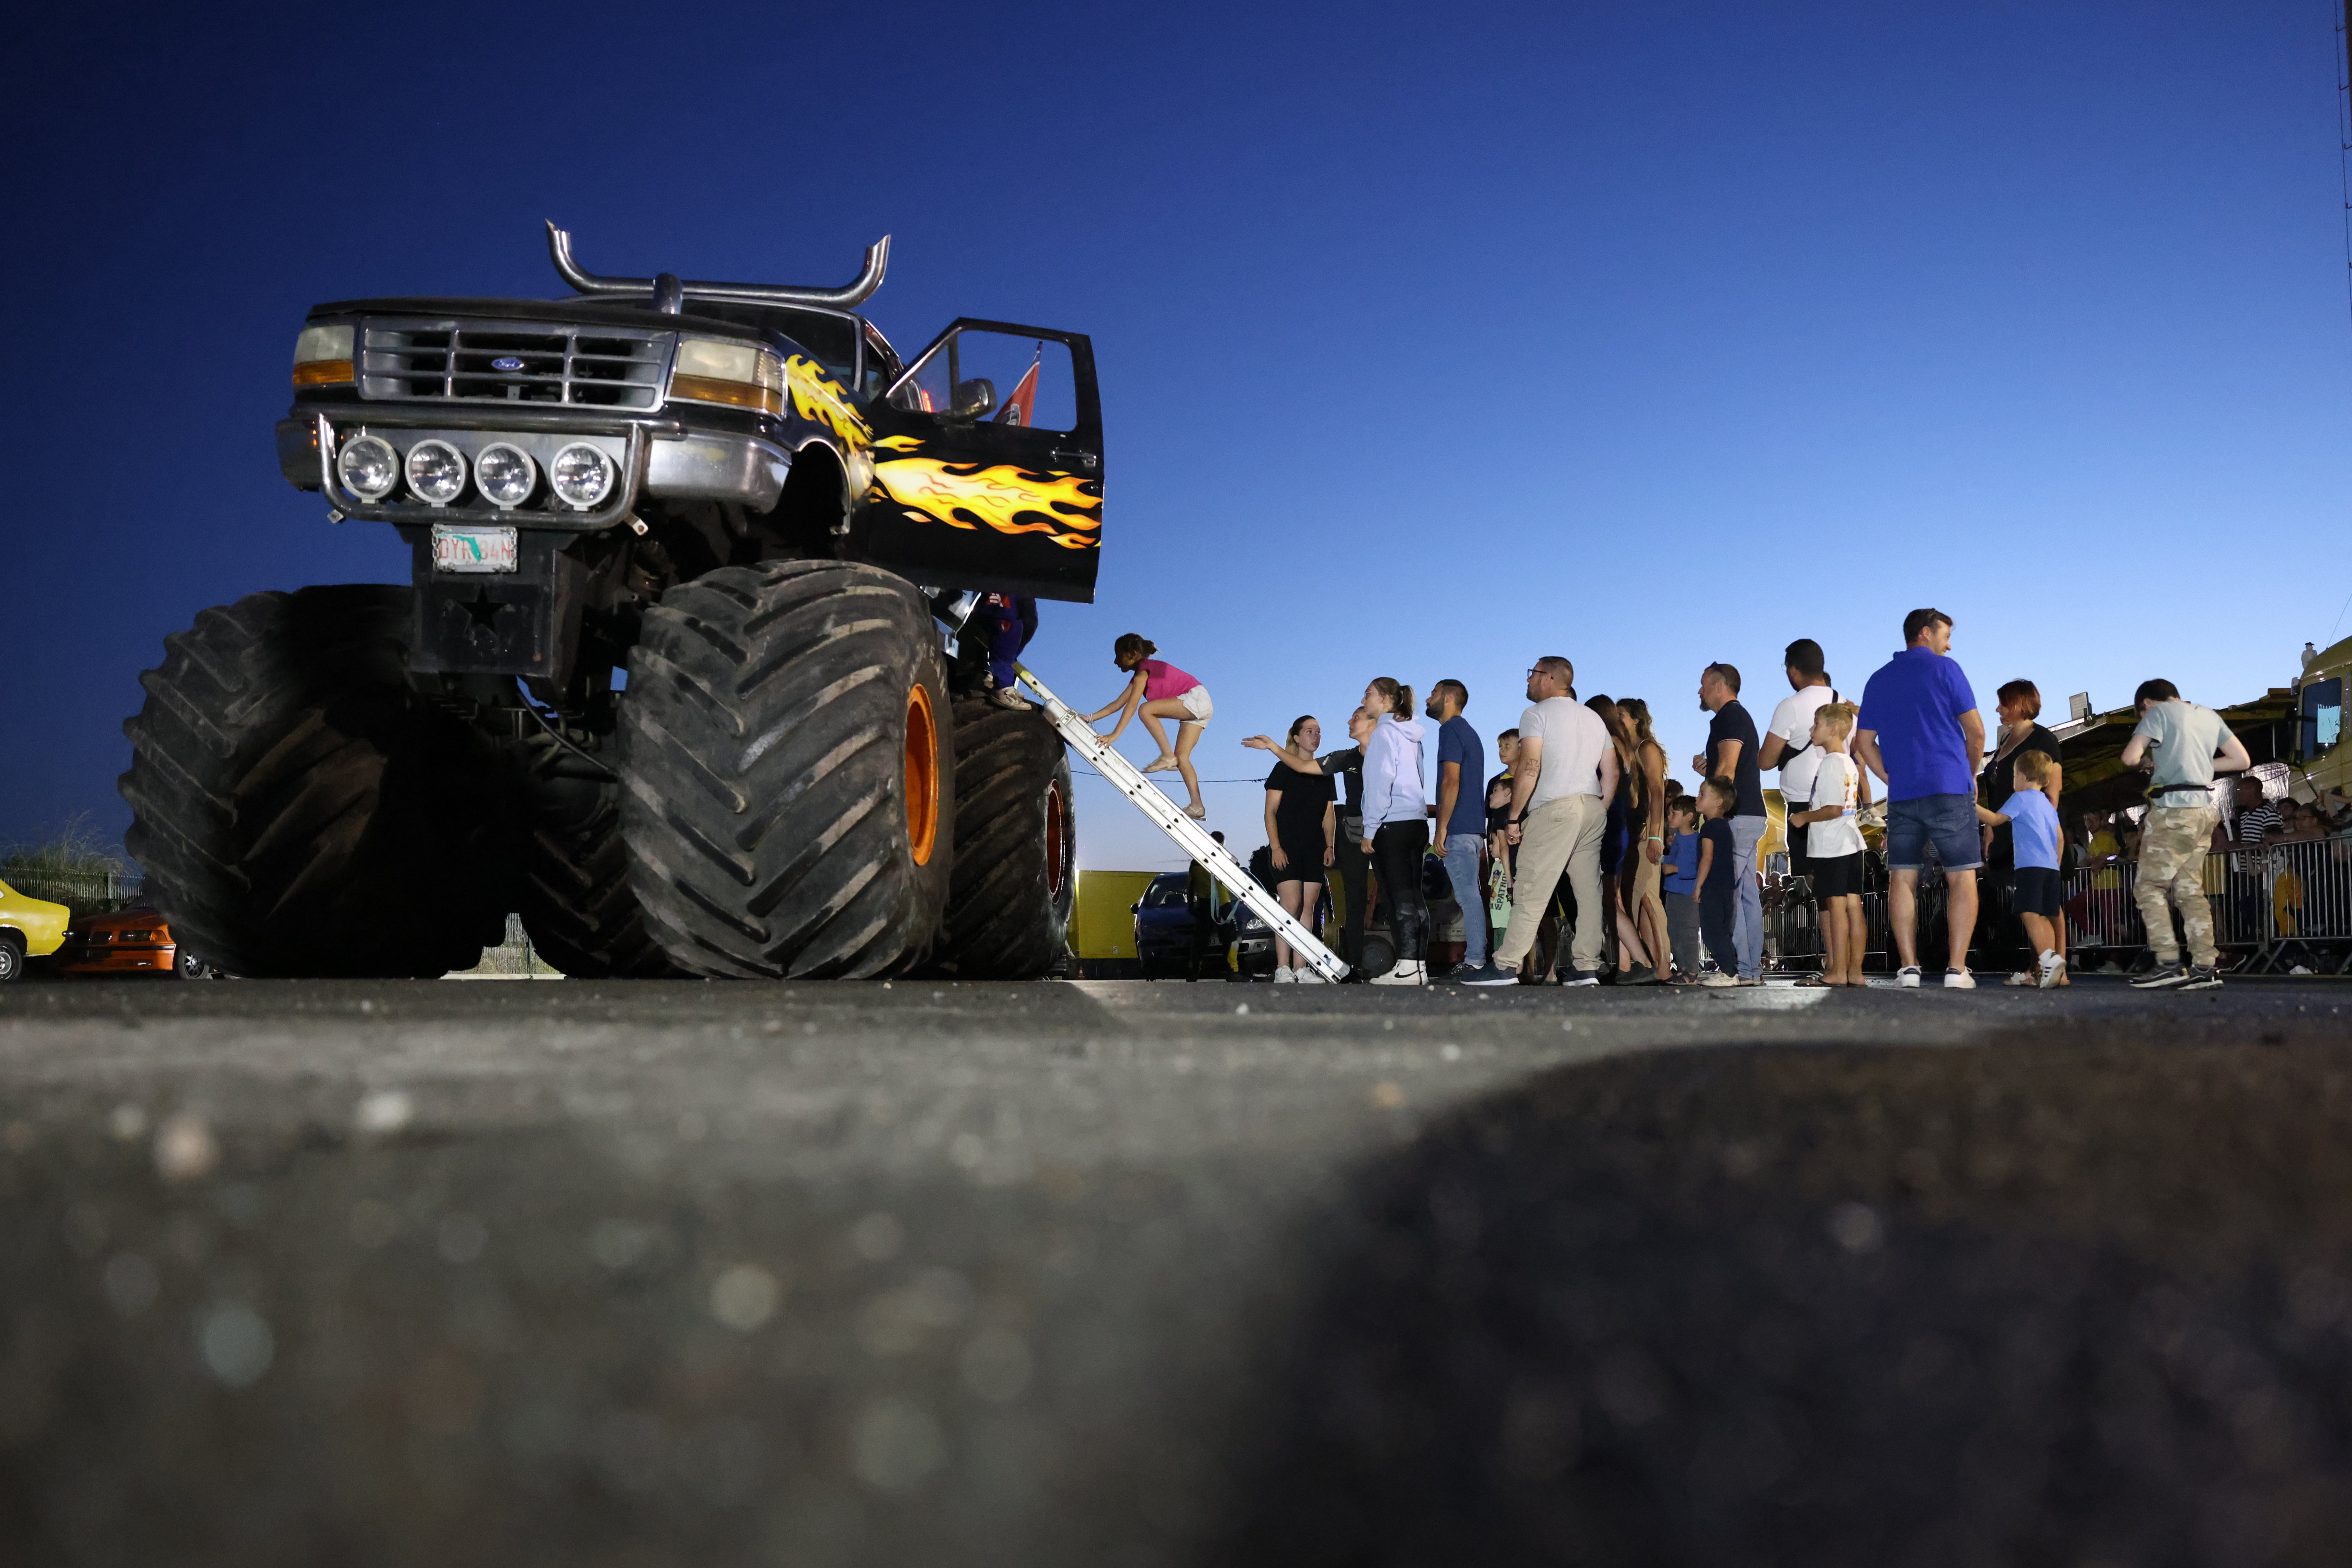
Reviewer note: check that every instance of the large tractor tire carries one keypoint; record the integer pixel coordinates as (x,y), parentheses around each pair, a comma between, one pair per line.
(300,810)
(787,779)
(1008,915)
(571,877)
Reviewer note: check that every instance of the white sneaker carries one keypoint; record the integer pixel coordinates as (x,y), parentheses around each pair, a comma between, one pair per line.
(1403,972)
(1958,980)
(1286,977)
(1908,977)
(1715,978)
(1308,975)
(2028,978)
(2054,969)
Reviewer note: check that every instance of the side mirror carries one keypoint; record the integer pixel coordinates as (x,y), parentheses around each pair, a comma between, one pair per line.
(1135,909)
(973,398)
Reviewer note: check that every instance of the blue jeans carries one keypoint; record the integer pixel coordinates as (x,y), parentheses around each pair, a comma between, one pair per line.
(1461,871)
(1747,911)
(1010,629)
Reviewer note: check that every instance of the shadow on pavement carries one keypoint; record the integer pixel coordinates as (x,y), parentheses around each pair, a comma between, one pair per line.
(2075,1306)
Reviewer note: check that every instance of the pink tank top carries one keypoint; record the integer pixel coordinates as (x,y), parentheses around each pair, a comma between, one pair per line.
(1162,679)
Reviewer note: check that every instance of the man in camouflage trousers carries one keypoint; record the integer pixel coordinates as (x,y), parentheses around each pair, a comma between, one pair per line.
(2184,746)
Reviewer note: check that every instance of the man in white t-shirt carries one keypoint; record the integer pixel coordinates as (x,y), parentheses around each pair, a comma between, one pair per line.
(1561,781)
(1789,746)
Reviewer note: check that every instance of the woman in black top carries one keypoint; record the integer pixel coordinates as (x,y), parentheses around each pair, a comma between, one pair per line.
(1302,824)
(2020,707)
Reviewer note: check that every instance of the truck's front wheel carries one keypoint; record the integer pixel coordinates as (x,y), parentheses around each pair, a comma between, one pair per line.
(297,807)
(788,780)
(1008,915)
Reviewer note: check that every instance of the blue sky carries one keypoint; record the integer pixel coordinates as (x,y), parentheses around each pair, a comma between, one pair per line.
(1430,340)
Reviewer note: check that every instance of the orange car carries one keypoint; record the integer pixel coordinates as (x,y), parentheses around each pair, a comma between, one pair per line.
(128,942)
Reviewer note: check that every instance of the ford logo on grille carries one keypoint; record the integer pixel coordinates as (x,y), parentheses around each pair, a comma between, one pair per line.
(507,363)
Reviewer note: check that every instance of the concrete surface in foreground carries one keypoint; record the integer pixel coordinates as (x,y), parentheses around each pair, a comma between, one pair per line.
(647,1273)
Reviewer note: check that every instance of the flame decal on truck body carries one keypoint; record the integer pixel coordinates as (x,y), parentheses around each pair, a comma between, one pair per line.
(1065,508)
(820,400)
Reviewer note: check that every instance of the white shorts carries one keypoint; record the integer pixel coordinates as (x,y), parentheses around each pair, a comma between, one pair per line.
(1196,702)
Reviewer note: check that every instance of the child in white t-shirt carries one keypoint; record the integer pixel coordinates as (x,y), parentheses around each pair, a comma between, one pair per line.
(1833,846)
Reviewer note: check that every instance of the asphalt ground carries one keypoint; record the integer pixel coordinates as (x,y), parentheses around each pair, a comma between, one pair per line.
(1127,1273)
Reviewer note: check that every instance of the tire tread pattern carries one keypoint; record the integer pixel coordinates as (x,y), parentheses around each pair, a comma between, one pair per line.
(297,807)
(762,746)
(1006,918)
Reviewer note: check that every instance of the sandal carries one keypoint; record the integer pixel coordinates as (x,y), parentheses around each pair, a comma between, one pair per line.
(1813,983)
(1159,764)
(1198,813)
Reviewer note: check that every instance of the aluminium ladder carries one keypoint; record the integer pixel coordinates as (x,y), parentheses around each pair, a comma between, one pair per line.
(1190,836)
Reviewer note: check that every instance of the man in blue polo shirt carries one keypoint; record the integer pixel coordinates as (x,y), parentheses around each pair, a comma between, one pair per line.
(1920,732)
(1461,817)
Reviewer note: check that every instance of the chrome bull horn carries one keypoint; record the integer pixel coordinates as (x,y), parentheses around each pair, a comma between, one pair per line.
(877,261)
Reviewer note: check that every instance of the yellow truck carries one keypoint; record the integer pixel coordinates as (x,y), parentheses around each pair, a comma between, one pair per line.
(1102,924)
(2326,762)
(29,928)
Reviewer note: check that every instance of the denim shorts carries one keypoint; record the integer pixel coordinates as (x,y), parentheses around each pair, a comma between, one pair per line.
(1948,822)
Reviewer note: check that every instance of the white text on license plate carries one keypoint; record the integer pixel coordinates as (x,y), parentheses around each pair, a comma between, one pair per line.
(473,550)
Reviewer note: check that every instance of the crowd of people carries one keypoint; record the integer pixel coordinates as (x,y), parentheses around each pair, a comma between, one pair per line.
(1581,822)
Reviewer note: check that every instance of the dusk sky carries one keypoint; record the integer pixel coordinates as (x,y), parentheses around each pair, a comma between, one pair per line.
(1432,340)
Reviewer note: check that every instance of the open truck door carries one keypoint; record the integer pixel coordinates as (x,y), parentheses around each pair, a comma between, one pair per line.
(988,465)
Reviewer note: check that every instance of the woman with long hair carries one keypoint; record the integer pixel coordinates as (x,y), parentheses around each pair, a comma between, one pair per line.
(1302,824)
(1158,690)
(1633,966)
(2021,732)
(1647,769)
(1396,823)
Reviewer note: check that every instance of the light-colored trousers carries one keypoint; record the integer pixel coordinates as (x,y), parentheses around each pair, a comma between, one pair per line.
(2172,844)
(1562,834)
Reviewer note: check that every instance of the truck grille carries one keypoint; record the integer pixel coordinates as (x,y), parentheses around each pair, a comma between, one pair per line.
(489,361)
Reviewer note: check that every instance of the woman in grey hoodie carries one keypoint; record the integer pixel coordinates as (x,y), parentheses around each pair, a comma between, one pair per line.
(1396,823)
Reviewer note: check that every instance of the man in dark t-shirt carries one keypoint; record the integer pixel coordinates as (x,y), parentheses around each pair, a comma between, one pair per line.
(1462,814)
(1732,752)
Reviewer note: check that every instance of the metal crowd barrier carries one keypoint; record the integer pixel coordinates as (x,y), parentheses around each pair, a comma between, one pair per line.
(2279,909)
(2286,906)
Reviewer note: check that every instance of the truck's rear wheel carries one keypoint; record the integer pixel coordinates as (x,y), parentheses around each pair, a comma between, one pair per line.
(1008,915)
(571,880)
(297,807)
(788,796)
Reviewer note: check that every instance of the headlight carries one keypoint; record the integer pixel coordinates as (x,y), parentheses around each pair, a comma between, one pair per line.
(437,472)
(581,474)
(738,375)
(322,357)
(506,474)
(369,467)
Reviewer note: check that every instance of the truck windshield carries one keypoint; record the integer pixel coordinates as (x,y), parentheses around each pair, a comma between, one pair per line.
(832,339)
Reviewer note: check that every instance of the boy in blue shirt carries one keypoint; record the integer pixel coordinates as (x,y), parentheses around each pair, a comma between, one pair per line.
(2033,827)
(1718,880)
(1681,884)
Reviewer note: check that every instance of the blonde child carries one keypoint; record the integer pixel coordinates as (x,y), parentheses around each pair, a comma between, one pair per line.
(2033,829)
(1834,847)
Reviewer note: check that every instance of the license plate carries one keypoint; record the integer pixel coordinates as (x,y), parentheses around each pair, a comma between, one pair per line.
(473,550)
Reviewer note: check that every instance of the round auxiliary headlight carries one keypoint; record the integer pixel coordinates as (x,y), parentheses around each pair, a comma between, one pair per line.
(582,475)
(369,467)
(437,472)
(506,474)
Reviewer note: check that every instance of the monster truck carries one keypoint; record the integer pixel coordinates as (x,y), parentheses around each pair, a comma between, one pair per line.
(677,672)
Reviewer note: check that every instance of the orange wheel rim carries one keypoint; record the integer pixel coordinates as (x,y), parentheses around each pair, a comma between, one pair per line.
(922,775)
(1058,849)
